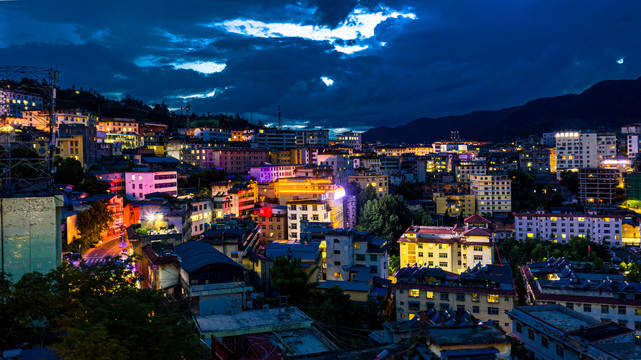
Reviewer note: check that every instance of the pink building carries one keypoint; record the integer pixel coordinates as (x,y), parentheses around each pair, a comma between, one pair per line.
(138,184)
(267,173)
(115,181)
(233,161)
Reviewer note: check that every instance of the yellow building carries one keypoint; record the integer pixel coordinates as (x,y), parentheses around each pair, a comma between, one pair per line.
(70,147)
(379,182)
(452,249)
(630,235)
(455,205)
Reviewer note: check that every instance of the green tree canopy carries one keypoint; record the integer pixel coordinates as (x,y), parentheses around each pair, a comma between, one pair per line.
(68,171)
(389,217)
(92,222)
(292,280)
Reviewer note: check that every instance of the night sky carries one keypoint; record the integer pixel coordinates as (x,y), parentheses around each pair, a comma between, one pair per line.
(328,63)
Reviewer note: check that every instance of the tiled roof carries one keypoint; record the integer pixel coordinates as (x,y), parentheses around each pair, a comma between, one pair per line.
(476,219)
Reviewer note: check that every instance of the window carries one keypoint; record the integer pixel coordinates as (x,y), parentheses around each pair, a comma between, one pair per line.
(429,294)
(530,334)
(637,311)
(605,309)
(476,309)
(442,264)
(414,293)
(478,257)
(445,306)
(337,263)
(493,311)
(478,248)
(519,327)
(569,305)
(445,296)
(587,308)
(460,308)
(429,305)
(337,252)
(544,342)
(475,298)
(559,350)
(493,298)
(429,254)
(637,325)
(622,310)
(360,257)
(420,254)
(460,297)
(442,255)
(414,305)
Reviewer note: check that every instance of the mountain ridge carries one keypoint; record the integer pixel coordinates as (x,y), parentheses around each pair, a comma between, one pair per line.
(605,105)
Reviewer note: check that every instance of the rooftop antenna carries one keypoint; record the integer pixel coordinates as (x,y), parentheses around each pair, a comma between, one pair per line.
(187,109)
(280,123)
(454,135)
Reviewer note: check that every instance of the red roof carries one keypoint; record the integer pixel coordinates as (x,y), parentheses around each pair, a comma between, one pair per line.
(477,232)
(476,219)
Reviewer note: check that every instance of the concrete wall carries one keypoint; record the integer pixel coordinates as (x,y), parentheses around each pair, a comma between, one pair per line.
(30,235)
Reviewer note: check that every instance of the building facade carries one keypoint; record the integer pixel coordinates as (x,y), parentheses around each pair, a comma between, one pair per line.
(493,194)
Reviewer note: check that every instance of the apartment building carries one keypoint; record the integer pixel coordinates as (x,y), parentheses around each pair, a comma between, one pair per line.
(599,296)
(553,332)
(452,249)
(351,139)
(312,137)
(563,226)
(115,181)
(493,194)
(14,103)
(201,215)
(312,210)
(272,221)
(578,150)
(597,186)
(379,182)
(341,164)
(138,184)
(70,147)
(213,134)
(465,169)
(352,255)
(536,161)
(268,172)
(232,160)
(274,139)
(486,291)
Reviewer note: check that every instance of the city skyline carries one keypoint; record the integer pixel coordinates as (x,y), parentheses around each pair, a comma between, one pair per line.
(334,64)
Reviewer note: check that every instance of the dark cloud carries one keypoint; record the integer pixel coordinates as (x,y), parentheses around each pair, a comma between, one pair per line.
(455,57)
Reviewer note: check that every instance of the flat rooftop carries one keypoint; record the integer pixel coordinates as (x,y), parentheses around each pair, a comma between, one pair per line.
(253,322)
(466,335)
(303,342)
(626,350)
(559,316)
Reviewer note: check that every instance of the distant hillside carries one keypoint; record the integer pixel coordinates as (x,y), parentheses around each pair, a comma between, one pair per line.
(606,105)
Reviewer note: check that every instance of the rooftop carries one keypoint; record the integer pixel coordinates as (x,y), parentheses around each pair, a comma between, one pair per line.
(466,335)
(558,316)
(253,322)
(194,255)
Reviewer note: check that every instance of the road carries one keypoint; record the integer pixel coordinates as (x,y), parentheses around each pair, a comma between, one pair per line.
(97,254)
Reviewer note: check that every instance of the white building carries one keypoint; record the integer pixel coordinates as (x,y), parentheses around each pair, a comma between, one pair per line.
(312,210)
(349,252)
(268,172)
(201,214)
(562,227)
(351,139)
(213,134)
(340,162)
(13,103)
(312,137)
(579,150)
(140,183)
(493,194)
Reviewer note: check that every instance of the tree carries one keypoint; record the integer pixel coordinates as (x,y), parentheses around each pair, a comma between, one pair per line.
(364,196)
(292,280)
(389,217)
(98,314)
(91,185)
(92,222)
(570,179)
(68,171)
(410,191)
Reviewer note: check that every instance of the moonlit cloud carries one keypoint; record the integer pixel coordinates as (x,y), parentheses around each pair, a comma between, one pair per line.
(357,27)
(205,67)
(620,61)
(211,94)
(327,81)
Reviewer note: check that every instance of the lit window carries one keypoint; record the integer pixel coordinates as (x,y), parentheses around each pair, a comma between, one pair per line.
(492,298)
(139,177)
(429,294)
(553,218)
(414,293)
